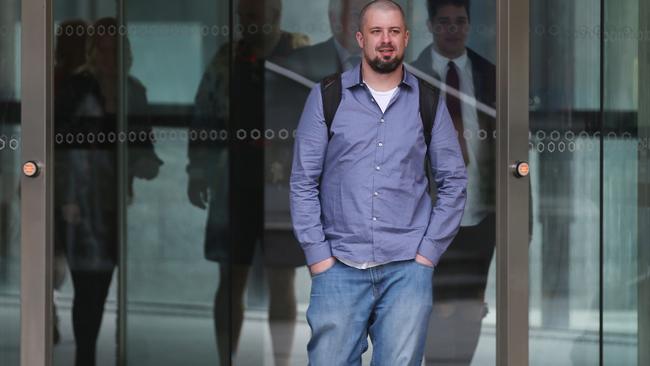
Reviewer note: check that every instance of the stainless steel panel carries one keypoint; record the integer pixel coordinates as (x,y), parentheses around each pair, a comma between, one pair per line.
(512,193)
(36,193)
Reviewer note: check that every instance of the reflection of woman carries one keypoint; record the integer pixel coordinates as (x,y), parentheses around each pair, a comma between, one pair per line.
(69,56)
(86,179)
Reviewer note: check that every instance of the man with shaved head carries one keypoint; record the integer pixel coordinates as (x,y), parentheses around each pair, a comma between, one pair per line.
(360,204)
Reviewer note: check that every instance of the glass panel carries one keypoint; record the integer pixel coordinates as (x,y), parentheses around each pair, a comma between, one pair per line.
(565,159)
(123,102)
(248,94)
(462,328)
(87,146)
(9,183)
(626,261)
(566,245)
(643,185)
(136,278)
(190,204)
(181,56)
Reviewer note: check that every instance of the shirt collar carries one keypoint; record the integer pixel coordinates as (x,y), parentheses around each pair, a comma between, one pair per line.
(354,77)
(440,62)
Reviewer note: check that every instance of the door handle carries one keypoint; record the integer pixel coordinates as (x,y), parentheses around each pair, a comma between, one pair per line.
(520,169)
(31,169)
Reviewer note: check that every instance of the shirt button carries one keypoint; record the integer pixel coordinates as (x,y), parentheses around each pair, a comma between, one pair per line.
(376,194)
(374,219)
(380,144)
(372,99)
(381,120)
(378,167)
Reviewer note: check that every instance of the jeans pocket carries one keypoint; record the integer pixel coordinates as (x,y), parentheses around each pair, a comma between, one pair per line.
(325,271)
(423,265)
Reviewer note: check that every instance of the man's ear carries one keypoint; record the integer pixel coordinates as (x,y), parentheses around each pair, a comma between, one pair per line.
(406,40)
(360,39)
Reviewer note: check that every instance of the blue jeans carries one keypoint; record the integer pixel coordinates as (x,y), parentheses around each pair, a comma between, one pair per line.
(391,303)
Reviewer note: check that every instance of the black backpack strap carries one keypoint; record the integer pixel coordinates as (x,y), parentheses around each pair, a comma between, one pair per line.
(331,91)
(429,96)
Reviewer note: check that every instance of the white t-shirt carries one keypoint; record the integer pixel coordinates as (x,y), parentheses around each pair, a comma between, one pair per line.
(382,97)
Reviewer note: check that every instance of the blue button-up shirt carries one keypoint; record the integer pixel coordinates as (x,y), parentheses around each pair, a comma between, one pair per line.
(362,195)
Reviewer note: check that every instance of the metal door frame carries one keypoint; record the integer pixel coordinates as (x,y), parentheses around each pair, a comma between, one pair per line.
(512,193)
(36,193)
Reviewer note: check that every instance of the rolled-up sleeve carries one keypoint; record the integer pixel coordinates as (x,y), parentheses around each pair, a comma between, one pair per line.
(308,158)
(450,176)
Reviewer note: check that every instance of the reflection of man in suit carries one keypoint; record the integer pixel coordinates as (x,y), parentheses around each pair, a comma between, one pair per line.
(461,275)
(338,53)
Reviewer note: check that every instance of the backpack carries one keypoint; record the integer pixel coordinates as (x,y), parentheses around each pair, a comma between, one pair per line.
(331,92)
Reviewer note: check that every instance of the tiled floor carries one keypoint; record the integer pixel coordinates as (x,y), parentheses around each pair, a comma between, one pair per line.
(164,338)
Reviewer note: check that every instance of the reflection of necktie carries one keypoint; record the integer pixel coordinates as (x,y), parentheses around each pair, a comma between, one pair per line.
(352,61)
(454,107)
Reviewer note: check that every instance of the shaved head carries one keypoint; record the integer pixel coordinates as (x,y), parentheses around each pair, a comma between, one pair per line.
(383,36)
(380,5)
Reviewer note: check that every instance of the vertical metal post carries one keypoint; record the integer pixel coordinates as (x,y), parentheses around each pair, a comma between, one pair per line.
(512,193)
(37,192)
(122,188)
(643,258)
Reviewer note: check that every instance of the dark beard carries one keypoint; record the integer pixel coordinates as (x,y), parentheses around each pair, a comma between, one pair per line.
(385,67)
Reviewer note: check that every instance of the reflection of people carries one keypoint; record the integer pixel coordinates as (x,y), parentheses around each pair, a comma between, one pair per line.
(229,178)
(339,53)
(70,54)
(70,51)
(360,205)
(86,198)
(461,275)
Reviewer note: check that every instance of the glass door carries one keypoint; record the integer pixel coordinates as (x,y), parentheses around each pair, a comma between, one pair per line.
(10,133)
(226,84)
(589,259)
(171,137)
